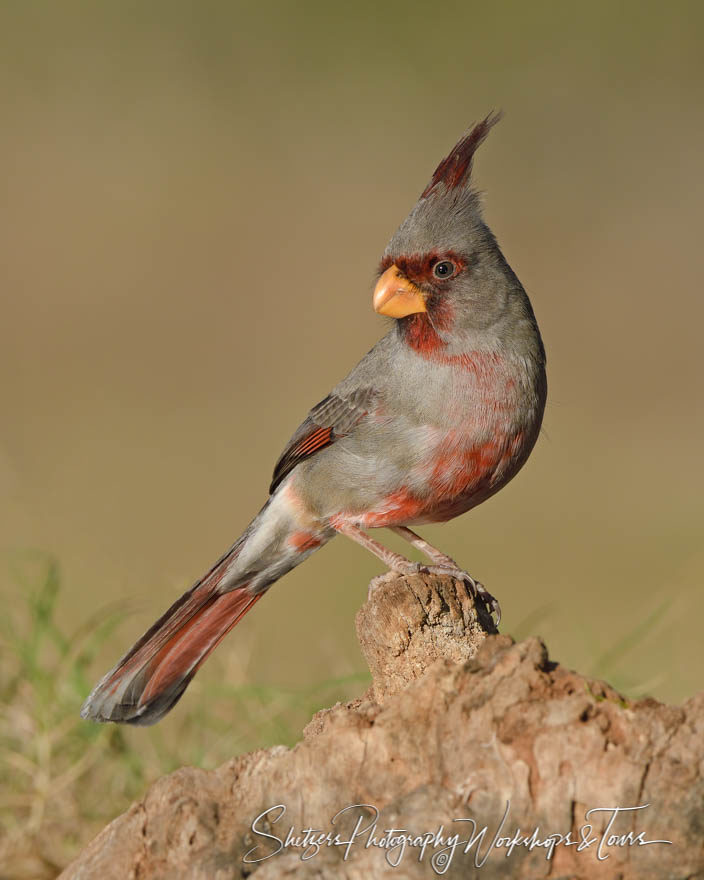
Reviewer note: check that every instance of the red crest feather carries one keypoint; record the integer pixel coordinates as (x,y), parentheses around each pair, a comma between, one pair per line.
(456,168)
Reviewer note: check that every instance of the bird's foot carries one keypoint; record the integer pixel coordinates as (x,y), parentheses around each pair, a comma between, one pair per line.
(392,574)
(477,588)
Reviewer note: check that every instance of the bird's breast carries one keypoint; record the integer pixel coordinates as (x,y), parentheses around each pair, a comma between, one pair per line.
(440,440)
(487,431)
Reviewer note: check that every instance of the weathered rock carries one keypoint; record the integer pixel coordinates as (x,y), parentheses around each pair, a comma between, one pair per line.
(458,725)
(412,621)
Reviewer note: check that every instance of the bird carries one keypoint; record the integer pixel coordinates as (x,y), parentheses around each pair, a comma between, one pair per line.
(437,417)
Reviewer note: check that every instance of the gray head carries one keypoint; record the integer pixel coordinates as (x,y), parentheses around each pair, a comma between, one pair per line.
(442,274)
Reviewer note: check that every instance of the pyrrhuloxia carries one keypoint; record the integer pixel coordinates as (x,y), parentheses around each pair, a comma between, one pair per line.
(436,418)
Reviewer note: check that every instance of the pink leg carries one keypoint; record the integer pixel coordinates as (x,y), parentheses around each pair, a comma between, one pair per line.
(394,561)
(445,564)
(423,545)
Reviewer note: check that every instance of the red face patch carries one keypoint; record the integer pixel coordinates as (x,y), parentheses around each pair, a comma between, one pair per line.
(420,330)
(420,268)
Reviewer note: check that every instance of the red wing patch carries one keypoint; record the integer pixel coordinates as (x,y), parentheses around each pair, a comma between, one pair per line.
(304,447)
(312,443)
(334,417)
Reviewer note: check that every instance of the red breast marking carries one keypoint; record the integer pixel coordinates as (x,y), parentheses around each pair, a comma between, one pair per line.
(463,475)
(484,363)
(456,470)
(303,541)
(399,507)
(419,332)
(457,475)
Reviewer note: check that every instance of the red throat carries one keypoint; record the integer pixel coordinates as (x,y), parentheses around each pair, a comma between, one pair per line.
(420,334)
(422,331)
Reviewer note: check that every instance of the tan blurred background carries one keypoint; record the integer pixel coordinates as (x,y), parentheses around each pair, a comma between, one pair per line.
(194,199)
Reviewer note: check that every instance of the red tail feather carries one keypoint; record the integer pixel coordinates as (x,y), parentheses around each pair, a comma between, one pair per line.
(154,673)
(184,652)
(151,677)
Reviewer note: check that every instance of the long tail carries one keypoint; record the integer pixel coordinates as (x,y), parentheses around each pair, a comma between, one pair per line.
(149,680)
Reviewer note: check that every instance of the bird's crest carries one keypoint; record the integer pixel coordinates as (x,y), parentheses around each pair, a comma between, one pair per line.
(456,168)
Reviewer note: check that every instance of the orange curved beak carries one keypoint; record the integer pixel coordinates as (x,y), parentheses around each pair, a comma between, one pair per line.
(396,296)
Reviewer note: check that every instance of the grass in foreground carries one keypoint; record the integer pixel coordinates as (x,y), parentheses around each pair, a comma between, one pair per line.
(61,778)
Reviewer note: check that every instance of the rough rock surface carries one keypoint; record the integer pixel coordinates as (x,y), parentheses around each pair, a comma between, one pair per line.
(459,724)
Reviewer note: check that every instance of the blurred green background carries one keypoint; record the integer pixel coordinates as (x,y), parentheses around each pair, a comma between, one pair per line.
(194,200)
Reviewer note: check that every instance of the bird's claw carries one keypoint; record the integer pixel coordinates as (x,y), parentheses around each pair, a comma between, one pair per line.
(477,588)
(491,602)
(478,591)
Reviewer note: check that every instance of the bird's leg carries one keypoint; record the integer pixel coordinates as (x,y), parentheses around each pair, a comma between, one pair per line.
(393,560)
(445,564)
(397,563)
(431,552)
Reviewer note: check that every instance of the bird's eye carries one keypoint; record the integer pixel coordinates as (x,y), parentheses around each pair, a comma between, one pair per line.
(444,269)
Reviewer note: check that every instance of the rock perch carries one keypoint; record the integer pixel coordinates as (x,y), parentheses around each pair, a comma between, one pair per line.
(460,725)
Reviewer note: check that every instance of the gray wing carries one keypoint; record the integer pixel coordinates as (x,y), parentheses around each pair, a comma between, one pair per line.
(329,420)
